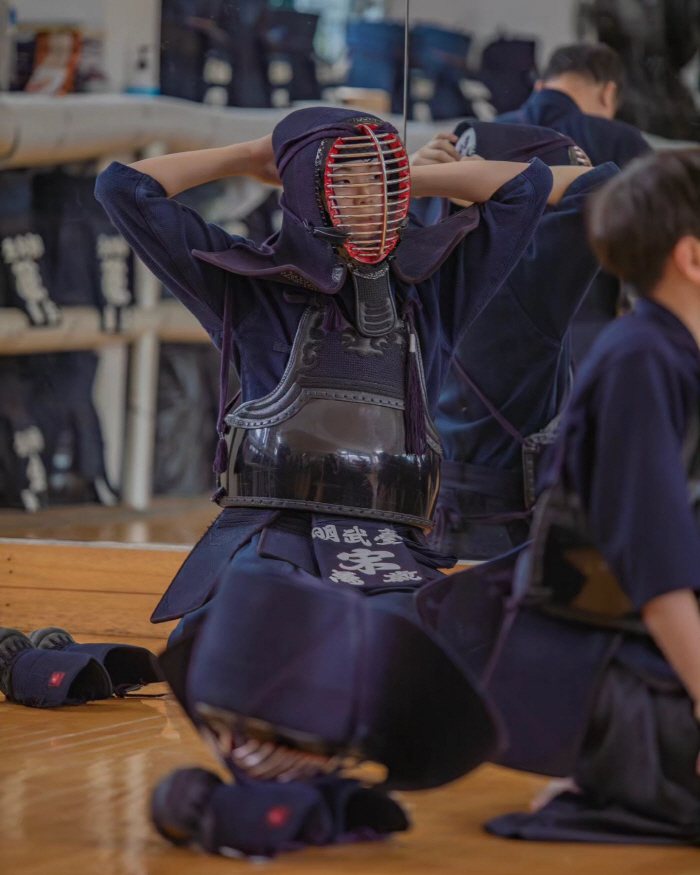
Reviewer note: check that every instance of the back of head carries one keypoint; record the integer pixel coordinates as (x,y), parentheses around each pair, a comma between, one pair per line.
(638,217)
(594,62)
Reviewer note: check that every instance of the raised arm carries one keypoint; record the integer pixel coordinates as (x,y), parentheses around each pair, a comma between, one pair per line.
(183,170)
(472,181)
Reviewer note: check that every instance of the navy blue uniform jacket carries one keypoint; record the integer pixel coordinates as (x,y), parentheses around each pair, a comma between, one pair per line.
(517,351)
(602,140)
(621,447)
(163,233)
(624,433)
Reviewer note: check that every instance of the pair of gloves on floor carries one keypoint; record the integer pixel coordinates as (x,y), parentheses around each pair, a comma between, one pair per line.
(48,669)
(194,807)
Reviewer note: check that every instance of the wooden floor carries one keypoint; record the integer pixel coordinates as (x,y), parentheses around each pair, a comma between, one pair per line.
(168,521)
(75,783)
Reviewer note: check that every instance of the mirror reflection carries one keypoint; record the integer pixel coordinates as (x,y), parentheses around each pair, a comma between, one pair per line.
(236,68)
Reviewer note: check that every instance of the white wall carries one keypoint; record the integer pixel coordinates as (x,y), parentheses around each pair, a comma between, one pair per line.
(126,24)
(89,13)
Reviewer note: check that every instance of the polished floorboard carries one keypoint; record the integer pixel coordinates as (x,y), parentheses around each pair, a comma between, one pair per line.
(75,782)
(167,521)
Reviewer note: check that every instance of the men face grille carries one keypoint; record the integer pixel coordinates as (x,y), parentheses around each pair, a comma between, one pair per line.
(367,185)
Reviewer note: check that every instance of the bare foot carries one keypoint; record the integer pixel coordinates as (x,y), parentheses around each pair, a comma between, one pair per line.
(551,791)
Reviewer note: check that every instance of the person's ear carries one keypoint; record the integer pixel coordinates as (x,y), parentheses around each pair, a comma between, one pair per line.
(686,257)
(609,99)
(538,86)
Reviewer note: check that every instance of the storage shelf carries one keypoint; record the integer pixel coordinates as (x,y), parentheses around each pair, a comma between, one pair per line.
(80,328)
(36,129)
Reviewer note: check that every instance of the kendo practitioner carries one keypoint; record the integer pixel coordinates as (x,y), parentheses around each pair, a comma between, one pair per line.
(300,648)
(591,649)
(510,375)
(579,95)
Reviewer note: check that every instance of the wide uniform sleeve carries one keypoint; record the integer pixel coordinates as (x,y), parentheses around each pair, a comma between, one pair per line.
(163,234)
(558,267)
(638,506)
(479,266)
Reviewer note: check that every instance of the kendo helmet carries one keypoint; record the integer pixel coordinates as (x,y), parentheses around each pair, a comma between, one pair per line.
(346,181)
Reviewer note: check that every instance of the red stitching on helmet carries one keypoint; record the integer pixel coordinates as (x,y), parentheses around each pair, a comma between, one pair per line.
(396,195)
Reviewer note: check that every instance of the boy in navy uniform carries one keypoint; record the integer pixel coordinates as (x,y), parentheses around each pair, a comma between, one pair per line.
(595,663)
(579,95)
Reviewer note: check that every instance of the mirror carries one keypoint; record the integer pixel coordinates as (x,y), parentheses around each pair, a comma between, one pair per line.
(87,81)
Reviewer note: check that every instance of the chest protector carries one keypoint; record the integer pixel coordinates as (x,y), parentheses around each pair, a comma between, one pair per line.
(565,575)
(332,436)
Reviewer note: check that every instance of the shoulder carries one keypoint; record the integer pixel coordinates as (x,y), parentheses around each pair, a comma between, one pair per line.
(511,118)
(631,337)
(633,355)
(622,141)
(619,129)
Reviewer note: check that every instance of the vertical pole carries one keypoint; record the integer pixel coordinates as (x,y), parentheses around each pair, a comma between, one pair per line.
(5,53)
(109,395)
(406,70)
(111,384)
(138,474)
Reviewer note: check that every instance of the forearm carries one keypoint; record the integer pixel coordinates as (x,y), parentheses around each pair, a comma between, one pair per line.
(469,181)
(674,623)
(478,181)
(562,179)
(182,170)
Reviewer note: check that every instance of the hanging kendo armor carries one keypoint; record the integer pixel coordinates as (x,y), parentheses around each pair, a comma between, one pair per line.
(346,431)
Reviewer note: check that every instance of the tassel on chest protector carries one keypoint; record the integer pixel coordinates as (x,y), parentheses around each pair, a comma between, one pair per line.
(333,436)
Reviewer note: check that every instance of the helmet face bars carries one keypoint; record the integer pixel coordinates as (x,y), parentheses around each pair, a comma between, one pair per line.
(367,183)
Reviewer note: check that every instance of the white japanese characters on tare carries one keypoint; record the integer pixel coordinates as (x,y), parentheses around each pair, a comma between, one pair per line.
(365,563)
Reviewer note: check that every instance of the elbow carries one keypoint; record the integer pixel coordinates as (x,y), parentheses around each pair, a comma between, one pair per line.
(104,186)
(110,185)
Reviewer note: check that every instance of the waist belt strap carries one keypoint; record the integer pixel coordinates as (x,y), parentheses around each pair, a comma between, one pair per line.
(506,485)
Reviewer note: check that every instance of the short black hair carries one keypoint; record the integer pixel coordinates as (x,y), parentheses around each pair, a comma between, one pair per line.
(636,219)
(594,61)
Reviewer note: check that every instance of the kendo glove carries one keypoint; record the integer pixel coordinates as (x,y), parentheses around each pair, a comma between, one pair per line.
(46,678)
(193,807)
(129,668)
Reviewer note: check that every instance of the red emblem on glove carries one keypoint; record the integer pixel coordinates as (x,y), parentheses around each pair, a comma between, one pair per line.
(278,816)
